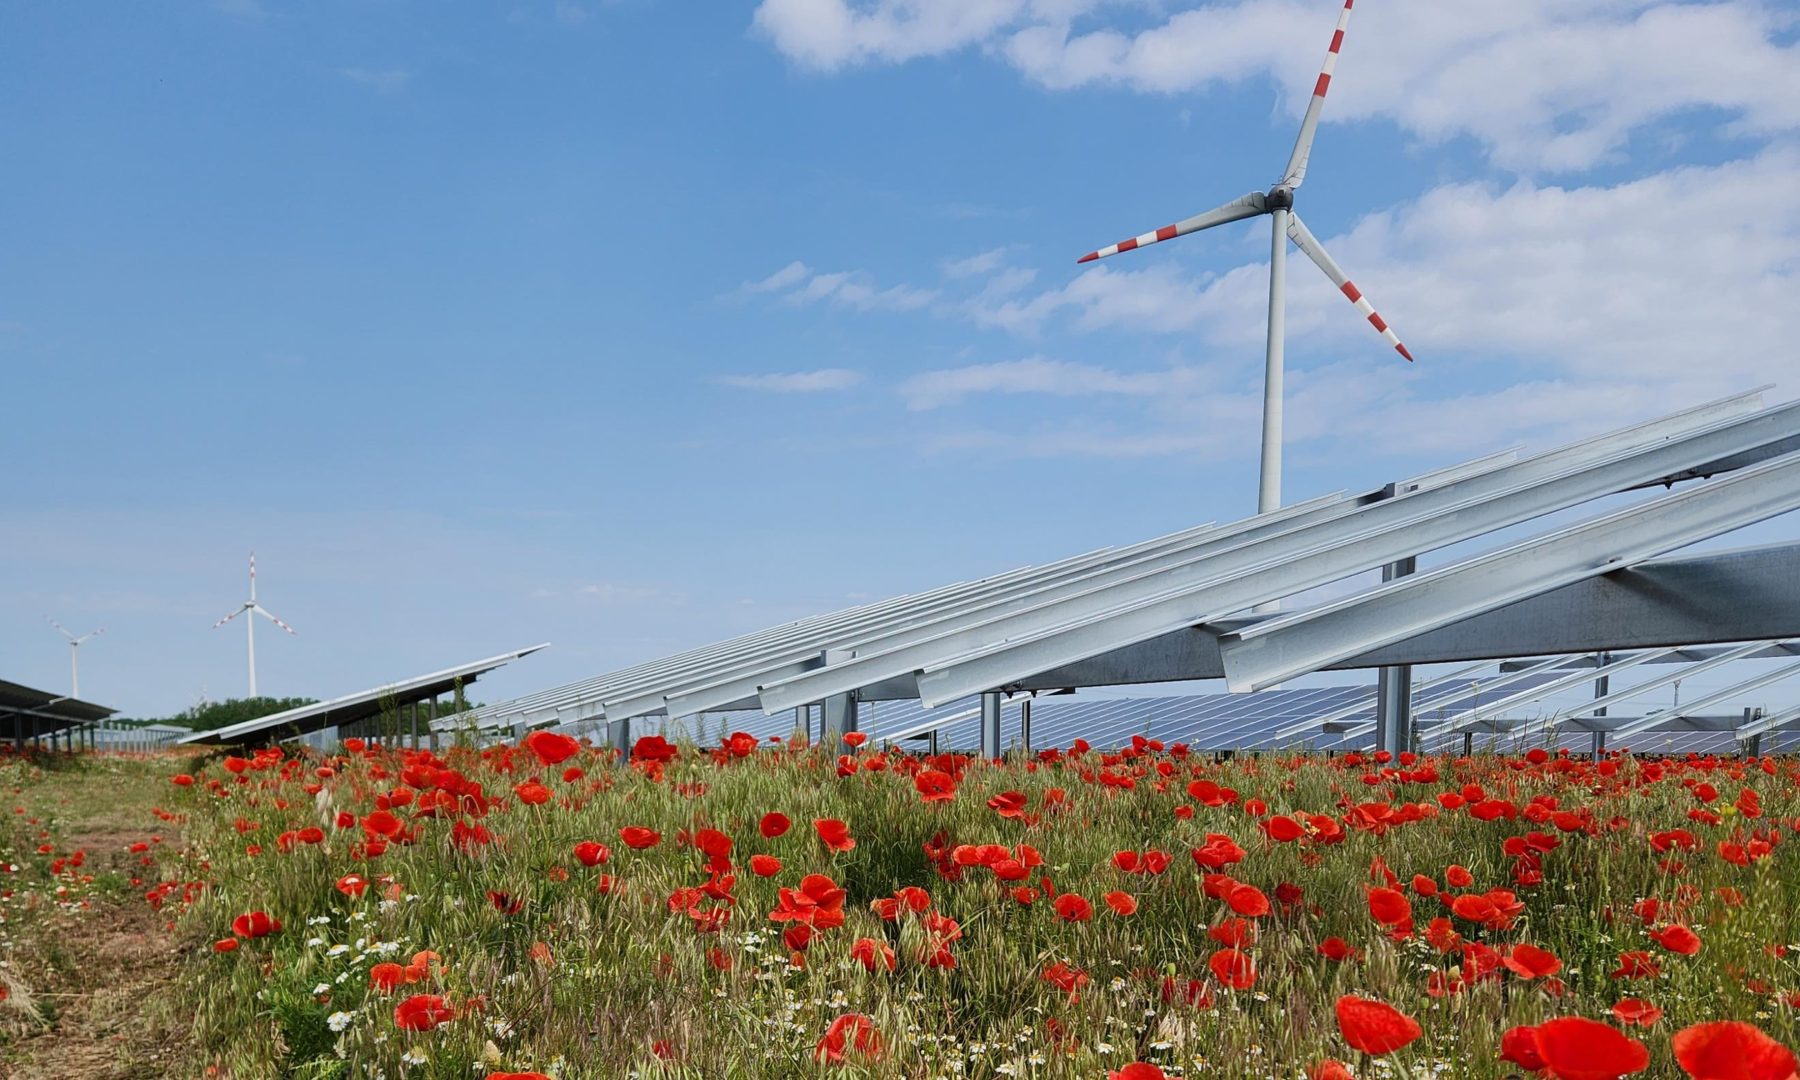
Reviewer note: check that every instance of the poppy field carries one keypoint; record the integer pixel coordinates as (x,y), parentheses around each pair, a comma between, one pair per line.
(737,910)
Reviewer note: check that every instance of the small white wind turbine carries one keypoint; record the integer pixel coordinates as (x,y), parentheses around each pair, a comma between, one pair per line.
(75,655)
(1278,203)
(253,608)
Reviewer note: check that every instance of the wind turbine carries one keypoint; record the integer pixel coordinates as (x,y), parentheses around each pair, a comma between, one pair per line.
(1278,203)
(253,608)
(75,655)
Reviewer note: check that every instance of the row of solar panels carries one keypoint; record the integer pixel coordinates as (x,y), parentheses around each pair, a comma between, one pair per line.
(1034,626)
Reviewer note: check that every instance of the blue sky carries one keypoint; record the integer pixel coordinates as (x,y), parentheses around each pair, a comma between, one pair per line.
(632,325)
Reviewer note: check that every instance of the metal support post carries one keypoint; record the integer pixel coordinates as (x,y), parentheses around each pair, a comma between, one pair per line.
(1025,725)
(1468,744)
(1754,747)
(931,742)
(1602,686)
(837,713)
(431,724)
(1393,693)
(990,725)
(618,734)
(1599,744)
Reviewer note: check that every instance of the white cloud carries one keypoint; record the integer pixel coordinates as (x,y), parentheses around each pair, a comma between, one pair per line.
(1543,84)
(791,274)
(1038,375)
(829,34)
(1581,307)
(797,382)
(798,284)
(1646,279)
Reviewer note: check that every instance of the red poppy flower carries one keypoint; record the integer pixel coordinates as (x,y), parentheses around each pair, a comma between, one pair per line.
(1071,907)
(229,944)
(854,739)
(655,749)
(638,837)
(1677,939)
(934,785)
(353,885)
(1531,962)
(182,780)
(551,748)
(1458,877)
(765,865)
(1122,903)
(834,834)
(1233,968)
(1576,1048)
(1248,900)
(1732,1050)
(1637,964)
(1633,1011)
(817,902)
(255,924)
(592,853)
(532,793)
(1389,907)
(872,954)
(385,977)
(422,1012)
(1137,1070)
(1373,1027)
(851,1033)
(1519,1046)
(1337,949)
(1283,829)
(774,823)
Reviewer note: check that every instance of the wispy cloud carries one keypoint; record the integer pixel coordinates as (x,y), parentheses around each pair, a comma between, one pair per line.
(1550,85)
(798,284)
(796,382)
(383,81)
(1037,375)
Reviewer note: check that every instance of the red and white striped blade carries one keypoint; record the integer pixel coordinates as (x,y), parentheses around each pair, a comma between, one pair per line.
(1236,210)
(1309,126)
(264,612)
(1307,242)
(229,617)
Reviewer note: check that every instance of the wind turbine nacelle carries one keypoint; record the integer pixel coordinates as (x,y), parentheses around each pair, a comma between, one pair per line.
(1279,198)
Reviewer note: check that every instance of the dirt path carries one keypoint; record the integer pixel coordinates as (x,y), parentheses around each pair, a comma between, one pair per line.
(93,971)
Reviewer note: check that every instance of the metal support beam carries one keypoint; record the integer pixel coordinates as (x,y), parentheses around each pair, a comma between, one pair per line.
(1752,746)
(1218,586)
(618,736)
(1293,645)
(1025,725)
(1393,688)
(990,725)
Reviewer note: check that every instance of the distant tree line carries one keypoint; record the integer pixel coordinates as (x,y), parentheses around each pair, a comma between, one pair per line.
(211,715)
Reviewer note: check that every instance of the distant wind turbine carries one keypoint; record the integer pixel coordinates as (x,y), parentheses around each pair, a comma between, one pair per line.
(75,655)
(1278,203)
(253,608)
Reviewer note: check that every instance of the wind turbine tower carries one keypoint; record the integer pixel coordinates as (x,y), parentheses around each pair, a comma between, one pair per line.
(251,609)
(75,655)
(1278,204)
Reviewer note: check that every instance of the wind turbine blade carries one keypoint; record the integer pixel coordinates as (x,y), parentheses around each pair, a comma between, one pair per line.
(61,629)
(1295,172)
(90,634)
(1236,210)
(1315,251)
(228,618)
(264,612)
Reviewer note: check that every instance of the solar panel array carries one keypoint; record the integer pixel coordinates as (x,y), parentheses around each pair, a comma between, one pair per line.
(1205,722)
